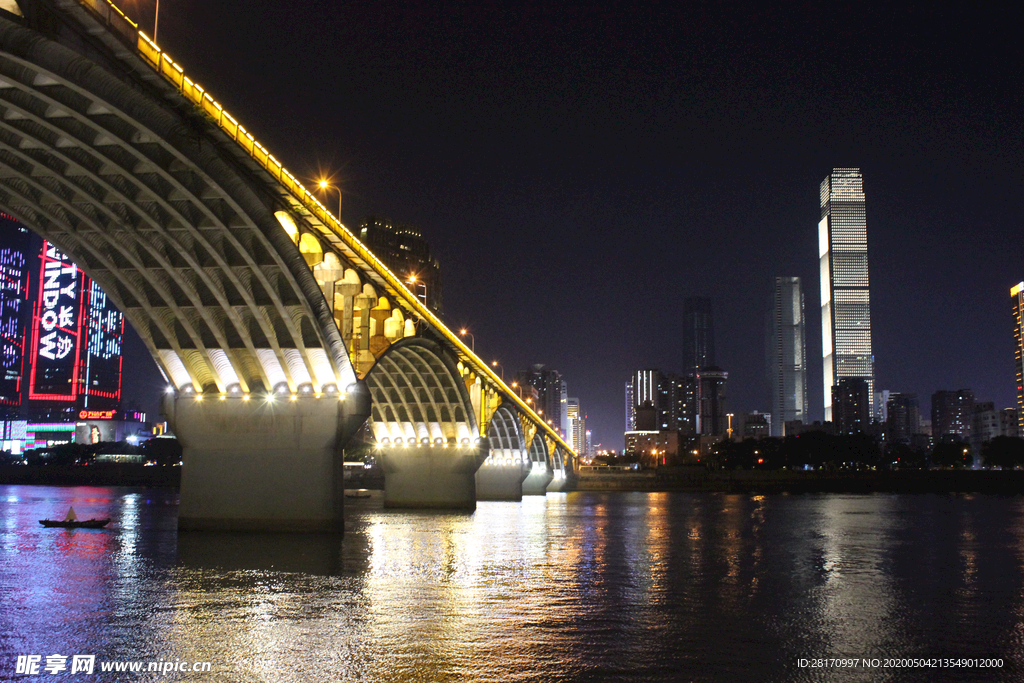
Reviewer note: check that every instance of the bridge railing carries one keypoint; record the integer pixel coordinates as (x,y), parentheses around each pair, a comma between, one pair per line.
(172,72)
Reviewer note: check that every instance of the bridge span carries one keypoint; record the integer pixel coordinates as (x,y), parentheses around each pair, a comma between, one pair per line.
(280,335)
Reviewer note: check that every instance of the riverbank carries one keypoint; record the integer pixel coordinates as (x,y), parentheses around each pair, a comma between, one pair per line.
(92,475)
(801,481)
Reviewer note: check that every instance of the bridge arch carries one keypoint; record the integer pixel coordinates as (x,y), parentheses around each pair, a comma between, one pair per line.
(505,435)
(118,175)
(419,398)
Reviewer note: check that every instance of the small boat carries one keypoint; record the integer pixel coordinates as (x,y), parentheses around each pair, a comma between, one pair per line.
(71,521)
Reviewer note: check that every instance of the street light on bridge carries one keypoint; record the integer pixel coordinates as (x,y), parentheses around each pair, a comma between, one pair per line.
(501,370)
(413,281)
(324,185)
(472,339)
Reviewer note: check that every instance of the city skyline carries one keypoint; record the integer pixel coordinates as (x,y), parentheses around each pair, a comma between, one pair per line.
(677,156)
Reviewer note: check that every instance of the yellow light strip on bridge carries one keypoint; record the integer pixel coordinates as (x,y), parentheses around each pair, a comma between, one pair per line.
(166,67)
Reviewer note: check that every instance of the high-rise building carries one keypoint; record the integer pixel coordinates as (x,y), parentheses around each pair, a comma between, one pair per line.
(577,425)
(550,391)
(630,404)
(698,335)
(903,418)
(404,251)
(989,423)
(787,354)
(666,400)
(711,399)
(845,295)
(642,388)
(851,405)
(1017,294)
(14,275)
(953,414)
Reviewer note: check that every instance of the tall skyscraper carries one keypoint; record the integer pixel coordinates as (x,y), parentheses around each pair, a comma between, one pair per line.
(711,400)
(845,295)
(577,425)
(642,388)
(787,354)
(404,251)
(550,388)
(1017,294)
(698,335)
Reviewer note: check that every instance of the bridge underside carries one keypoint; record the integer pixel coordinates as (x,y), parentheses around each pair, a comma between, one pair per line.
(274,330)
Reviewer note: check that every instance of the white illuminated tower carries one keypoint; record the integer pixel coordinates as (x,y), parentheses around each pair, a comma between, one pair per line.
(845,295)
(787,354)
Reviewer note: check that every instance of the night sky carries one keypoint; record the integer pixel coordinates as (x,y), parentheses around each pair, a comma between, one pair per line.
(581,169)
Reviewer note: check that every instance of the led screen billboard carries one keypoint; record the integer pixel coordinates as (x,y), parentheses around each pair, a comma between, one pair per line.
(13,294)
(56,329)
(101,364)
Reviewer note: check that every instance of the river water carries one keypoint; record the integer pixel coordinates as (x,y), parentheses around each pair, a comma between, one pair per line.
(566,587)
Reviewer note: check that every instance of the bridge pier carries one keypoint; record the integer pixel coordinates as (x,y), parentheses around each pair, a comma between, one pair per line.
(431,476)
(501,477)
(559,482)
(263,465)
(537,481)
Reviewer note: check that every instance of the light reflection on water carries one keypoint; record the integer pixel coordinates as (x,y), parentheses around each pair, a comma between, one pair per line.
(567,587)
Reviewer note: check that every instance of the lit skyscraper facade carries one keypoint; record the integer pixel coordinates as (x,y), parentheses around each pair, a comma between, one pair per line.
(642,387)
(13,298)
(1017,294)
(787,354)
(845,295)
(577,426)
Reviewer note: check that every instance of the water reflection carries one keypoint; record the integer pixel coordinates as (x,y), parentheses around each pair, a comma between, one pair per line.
(564,587)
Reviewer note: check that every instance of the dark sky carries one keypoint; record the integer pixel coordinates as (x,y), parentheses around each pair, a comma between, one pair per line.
(581,169)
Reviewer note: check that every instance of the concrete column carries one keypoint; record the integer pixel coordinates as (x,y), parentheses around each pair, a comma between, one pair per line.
(536,483)
(254,465)
(559,482)
(501,477)
(431,476)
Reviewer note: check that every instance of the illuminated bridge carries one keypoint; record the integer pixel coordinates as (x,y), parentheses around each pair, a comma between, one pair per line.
(280,335)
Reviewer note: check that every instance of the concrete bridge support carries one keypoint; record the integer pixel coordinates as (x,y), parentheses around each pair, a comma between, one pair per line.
(431,476)
(559,482)
(263,465)
(501,477)
(538,479)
